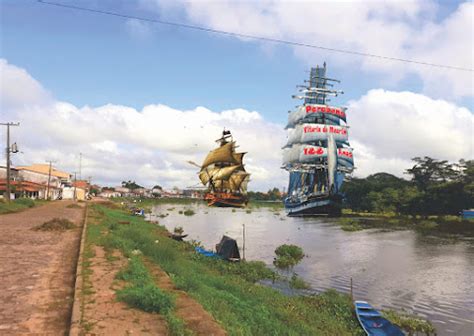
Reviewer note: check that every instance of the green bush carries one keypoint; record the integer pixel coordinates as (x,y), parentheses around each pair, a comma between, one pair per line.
(288,256)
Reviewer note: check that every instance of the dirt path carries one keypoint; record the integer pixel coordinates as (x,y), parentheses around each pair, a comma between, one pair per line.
(103,314)
(189,310)
(37,270)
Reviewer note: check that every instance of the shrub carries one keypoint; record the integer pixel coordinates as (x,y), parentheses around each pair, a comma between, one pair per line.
(288,256)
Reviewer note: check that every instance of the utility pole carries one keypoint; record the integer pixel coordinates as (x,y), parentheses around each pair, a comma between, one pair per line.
(49,179)
(75,180)
(80,166)
(8,151)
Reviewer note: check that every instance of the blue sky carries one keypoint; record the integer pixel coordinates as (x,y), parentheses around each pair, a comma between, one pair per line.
(94,60)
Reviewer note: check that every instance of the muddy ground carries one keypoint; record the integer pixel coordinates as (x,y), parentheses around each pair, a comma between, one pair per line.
(37,270)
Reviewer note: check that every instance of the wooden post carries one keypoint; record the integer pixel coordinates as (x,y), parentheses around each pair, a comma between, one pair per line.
(8,150)
(352,292)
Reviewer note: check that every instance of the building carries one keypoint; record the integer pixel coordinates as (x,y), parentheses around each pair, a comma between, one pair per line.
(30,183)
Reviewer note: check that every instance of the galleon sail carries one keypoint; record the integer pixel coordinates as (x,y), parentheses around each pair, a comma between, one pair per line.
(223,173)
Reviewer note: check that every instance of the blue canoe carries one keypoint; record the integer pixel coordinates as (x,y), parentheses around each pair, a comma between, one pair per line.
(372,321)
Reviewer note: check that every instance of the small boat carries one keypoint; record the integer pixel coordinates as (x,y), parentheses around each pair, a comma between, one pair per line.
(372,321)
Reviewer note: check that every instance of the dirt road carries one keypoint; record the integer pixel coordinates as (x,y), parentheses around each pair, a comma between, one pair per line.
(37,270)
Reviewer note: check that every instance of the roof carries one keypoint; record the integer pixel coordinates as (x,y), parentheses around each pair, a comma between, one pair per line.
(81,184)
(43,168)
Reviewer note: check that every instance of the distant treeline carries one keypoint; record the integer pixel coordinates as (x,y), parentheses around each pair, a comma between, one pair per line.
(435,188)
(271,195)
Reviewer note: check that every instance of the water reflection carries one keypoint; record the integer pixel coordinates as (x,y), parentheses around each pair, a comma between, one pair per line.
(431,276)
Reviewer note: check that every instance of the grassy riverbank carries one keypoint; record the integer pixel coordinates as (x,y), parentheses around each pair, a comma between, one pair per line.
(228,291)
(446,225)
(19,205)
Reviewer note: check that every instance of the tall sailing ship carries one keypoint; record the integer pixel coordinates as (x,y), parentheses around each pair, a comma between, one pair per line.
(317,154)
(223,173)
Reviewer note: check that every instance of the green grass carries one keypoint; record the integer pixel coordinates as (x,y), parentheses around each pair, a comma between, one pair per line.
(441,225)
(297,283)
(18,205)
(141,292)
(228,291)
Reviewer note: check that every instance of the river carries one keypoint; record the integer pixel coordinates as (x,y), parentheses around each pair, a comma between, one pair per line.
(428,275)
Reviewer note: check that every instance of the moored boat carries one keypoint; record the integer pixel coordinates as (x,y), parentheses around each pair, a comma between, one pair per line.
(372,321)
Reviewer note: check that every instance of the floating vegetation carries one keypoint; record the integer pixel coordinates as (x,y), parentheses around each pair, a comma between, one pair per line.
(409,323)
(288,256)
(233,210)
(189,212)
(170,209)
(55,224)
(248,211)
(350,224)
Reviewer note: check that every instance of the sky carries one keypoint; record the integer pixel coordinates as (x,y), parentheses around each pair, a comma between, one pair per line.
(139,100)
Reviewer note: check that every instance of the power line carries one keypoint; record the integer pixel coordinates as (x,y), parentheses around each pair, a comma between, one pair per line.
(255,37)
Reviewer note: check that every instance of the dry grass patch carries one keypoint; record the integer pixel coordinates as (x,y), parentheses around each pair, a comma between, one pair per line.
(56,224)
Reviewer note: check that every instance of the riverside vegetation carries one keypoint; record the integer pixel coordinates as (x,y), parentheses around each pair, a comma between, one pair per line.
(228,291)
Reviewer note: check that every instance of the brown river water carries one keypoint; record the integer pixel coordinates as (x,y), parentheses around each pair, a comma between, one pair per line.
(430,276)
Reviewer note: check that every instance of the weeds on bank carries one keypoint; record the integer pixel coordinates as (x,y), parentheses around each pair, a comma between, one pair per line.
(408,322)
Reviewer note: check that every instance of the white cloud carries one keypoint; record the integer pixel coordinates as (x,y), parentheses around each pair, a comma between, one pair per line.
(118,142)
(400,29)
(389,128)
(153,145)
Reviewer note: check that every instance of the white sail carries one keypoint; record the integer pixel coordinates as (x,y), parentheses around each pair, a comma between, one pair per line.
(307,133)
(309,154)
(345,157)
(311,110)
(332,162)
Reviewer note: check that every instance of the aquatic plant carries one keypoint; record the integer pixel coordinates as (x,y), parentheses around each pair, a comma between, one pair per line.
(288,256)
(189,212)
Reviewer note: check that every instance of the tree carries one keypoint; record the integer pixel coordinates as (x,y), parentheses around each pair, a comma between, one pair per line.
(131,185)
(428,171)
